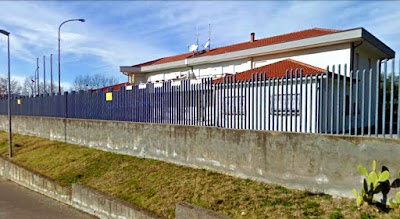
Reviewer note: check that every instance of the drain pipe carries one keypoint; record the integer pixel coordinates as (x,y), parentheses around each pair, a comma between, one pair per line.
(352,50)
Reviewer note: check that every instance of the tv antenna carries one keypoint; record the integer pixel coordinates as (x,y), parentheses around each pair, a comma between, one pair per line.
(207,45)
(193,48)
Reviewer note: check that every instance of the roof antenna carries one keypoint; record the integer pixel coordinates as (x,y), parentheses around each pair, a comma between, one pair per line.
(208,46)
(193,48)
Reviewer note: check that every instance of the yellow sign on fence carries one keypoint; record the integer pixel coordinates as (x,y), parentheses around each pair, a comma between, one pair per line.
(109,96)
(19,101)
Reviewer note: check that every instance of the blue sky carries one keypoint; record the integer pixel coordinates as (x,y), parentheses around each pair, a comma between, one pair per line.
(130,32)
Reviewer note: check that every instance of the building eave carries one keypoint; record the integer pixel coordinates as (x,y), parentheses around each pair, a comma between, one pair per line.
(390,54)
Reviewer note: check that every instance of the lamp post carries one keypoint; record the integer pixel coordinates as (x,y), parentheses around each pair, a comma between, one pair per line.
(9,94)
(59,68)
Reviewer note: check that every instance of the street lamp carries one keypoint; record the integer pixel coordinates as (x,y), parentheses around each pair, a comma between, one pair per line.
(59,71)
(9,95)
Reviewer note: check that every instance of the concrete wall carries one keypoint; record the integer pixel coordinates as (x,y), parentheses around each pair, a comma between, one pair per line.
(35,181)
(97,203)
(314,162)
(80,197)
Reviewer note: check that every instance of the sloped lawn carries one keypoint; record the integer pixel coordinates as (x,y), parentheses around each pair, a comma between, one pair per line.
(158,186)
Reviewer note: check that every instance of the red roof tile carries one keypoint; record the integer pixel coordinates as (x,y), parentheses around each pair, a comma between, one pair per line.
(115,87)
(246,45)
(277,69)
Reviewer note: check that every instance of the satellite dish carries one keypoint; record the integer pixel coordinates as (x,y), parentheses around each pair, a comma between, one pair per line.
(193,47)
(207,46)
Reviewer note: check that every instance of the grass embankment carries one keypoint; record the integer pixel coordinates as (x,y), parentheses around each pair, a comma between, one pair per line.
(158,186)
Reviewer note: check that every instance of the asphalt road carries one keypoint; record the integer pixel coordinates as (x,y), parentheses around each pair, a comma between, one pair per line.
(17,202)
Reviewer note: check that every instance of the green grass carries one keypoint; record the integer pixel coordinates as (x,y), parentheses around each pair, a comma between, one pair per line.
(159,186)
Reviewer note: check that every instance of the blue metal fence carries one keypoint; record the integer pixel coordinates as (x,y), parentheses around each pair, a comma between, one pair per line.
(339,101)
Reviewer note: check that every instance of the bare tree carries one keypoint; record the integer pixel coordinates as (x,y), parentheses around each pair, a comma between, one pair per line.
(15,86)
(29,87)
(85,82)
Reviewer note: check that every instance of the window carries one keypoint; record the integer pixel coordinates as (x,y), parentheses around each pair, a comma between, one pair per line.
(281,104)
(234,105)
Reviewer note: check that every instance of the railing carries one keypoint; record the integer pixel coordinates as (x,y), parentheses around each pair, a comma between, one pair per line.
(338,101)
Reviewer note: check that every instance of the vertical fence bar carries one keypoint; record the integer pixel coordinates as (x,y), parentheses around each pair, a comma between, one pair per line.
(326,99)
(231,102)
(296,99)
(311,99)
(287,99)
(398,104)
(242,104)
(264,111)
(306,103)
(170,105)
(282,100)
(184,100)
(332,99)
(176,104)
(318,95)
(384,101)
(291,100)
(301,101)
(222,102)
(193,96)
(224,98)
(319,90)
(256,102)
(351,101)
(214,100)
(236,98)
(362,102)
(391,101)
(344,99)
(204,101)
(356,105)
(173,103)
(157,93)
(153,103)
(369,101)
(209,105)
(252,101)
(377,97)
(269,104)
(273,105)
(249,102)
(290,122)
(338,101)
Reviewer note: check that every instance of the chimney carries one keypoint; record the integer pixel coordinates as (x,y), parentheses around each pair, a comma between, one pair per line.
(251,37)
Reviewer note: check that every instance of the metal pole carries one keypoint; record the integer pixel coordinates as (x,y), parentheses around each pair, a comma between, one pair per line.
(9,101)
(51,73)
(9,94)
(59,69)
(38,76)
(44,75)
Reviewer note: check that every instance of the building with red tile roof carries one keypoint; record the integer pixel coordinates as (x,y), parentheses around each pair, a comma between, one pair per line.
(357,48)
(275,70)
